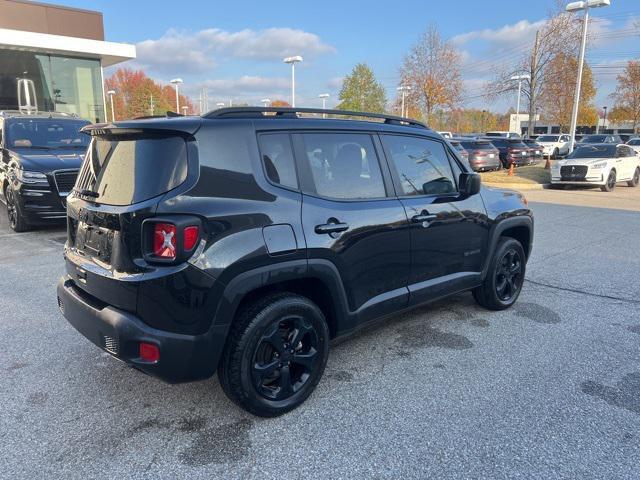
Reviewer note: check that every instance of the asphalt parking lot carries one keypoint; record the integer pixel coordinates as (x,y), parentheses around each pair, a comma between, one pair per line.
(549,389)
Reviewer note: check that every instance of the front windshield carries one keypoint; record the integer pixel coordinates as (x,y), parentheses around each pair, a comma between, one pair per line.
(634,141)
(593,139)
(45,133)
(594,151)
(548,138)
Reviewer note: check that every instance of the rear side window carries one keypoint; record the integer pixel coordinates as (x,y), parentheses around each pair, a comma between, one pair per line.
(343,165)
(277,158)
(422,164)
(123,171)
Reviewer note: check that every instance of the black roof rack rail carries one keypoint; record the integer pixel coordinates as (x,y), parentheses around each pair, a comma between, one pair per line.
(290,112)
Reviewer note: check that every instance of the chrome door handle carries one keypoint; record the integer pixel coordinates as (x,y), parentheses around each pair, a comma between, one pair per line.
(331,228)
(423,217)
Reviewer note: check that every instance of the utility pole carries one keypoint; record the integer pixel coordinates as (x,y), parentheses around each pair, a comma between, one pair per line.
(533,83)
(151,106)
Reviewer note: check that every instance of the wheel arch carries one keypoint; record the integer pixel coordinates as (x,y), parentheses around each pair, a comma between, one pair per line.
(317,280)
(519,228)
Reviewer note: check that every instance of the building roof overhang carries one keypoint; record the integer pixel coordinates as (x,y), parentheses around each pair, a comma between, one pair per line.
(109,53)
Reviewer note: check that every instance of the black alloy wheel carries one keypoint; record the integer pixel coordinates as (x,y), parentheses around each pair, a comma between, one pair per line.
(611,182)
(508,281)
(275,354)
(503,283)
(16,222)
(285,358)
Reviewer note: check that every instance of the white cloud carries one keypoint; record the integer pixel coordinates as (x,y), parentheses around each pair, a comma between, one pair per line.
(198,52)
(505,36)
(335,83)
(246,85)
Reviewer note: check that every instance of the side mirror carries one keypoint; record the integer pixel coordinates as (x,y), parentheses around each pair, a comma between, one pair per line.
(469,183)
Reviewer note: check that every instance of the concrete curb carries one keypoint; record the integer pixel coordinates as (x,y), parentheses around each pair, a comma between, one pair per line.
(519,186)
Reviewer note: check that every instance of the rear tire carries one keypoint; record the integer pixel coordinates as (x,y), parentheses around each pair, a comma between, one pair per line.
(275,354)
(611,182)
(505,277)
(636,178)
(14,211)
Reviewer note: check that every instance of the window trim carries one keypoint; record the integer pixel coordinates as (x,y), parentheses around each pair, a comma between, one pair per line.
(306,182)
(298,189)
(396,177)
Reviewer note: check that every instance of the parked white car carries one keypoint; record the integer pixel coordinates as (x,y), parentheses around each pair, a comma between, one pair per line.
(554,146)
(601,165)
(635,144)
(446,134)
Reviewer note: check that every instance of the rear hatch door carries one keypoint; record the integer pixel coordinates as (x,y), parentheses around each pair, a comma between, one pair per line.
(124,176)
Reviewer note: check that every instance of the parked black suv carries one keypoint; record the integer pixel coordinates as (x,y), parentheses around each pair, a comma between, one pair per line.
(246,239)
(40,158)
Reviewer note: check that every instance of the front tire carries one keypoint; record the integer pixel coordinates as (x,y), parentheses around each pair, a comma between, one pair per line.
(505,277)
(611,182)
(636,178)
(275,354)
(14,211)
(556,154)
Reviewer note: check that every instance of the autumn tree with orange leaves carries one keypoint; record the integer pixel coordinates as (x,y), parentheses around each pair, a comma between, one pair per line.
(627,96)
(137,95)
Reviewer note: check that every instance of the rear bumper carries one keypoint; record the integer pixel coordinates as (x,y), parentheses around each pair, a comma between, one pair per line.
(182,357)
(480,164)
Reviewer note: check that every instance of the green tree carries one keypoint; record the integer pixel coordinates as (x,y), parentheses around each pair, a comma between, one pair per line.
(362,92)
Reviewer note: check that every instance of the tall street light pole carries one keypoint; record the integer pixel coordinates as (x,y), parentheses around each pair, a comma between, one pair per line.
(176,82)
(292,61)
(604,120)
(324,97)
(574,7)
(403,89)
(519,78)
(111,93)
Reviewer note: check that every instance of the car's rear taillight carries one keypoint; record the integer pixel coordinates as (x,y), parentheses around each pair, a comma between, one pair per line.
(170,239)
(164,240)
(191,236)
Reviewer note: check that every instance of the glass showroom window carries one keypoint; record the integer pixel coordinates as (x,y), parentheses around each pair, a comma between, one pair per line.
(54,83)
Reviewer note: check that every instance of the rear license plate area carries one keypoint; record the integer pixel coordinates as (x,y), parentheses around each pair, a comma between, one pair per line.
(95,241)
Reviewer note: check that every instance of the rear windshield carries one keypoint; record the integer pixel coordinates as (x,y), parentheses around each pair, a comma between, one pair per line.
(123,171)
(593,139)
(548,138)
(478,145)
(594,151)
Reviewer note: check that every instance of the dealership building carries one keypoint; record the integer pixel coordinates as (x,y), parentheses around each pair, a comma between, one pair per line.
(52,59)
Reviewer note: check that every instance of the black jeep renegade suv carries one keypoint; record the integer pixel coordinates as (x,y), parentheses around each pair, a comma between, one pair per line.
(246,239)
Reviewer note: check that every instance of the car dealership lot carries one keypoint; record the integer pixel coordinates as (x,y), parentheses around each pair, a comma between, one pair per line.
(548,389)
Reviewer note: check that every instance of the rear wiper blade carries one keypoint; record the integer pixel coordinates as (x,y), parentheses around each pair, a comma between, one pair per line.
(87,193)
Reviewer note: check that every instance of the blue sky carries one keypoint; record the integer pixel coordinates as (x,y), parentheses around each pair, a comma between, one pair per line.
(235,49)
